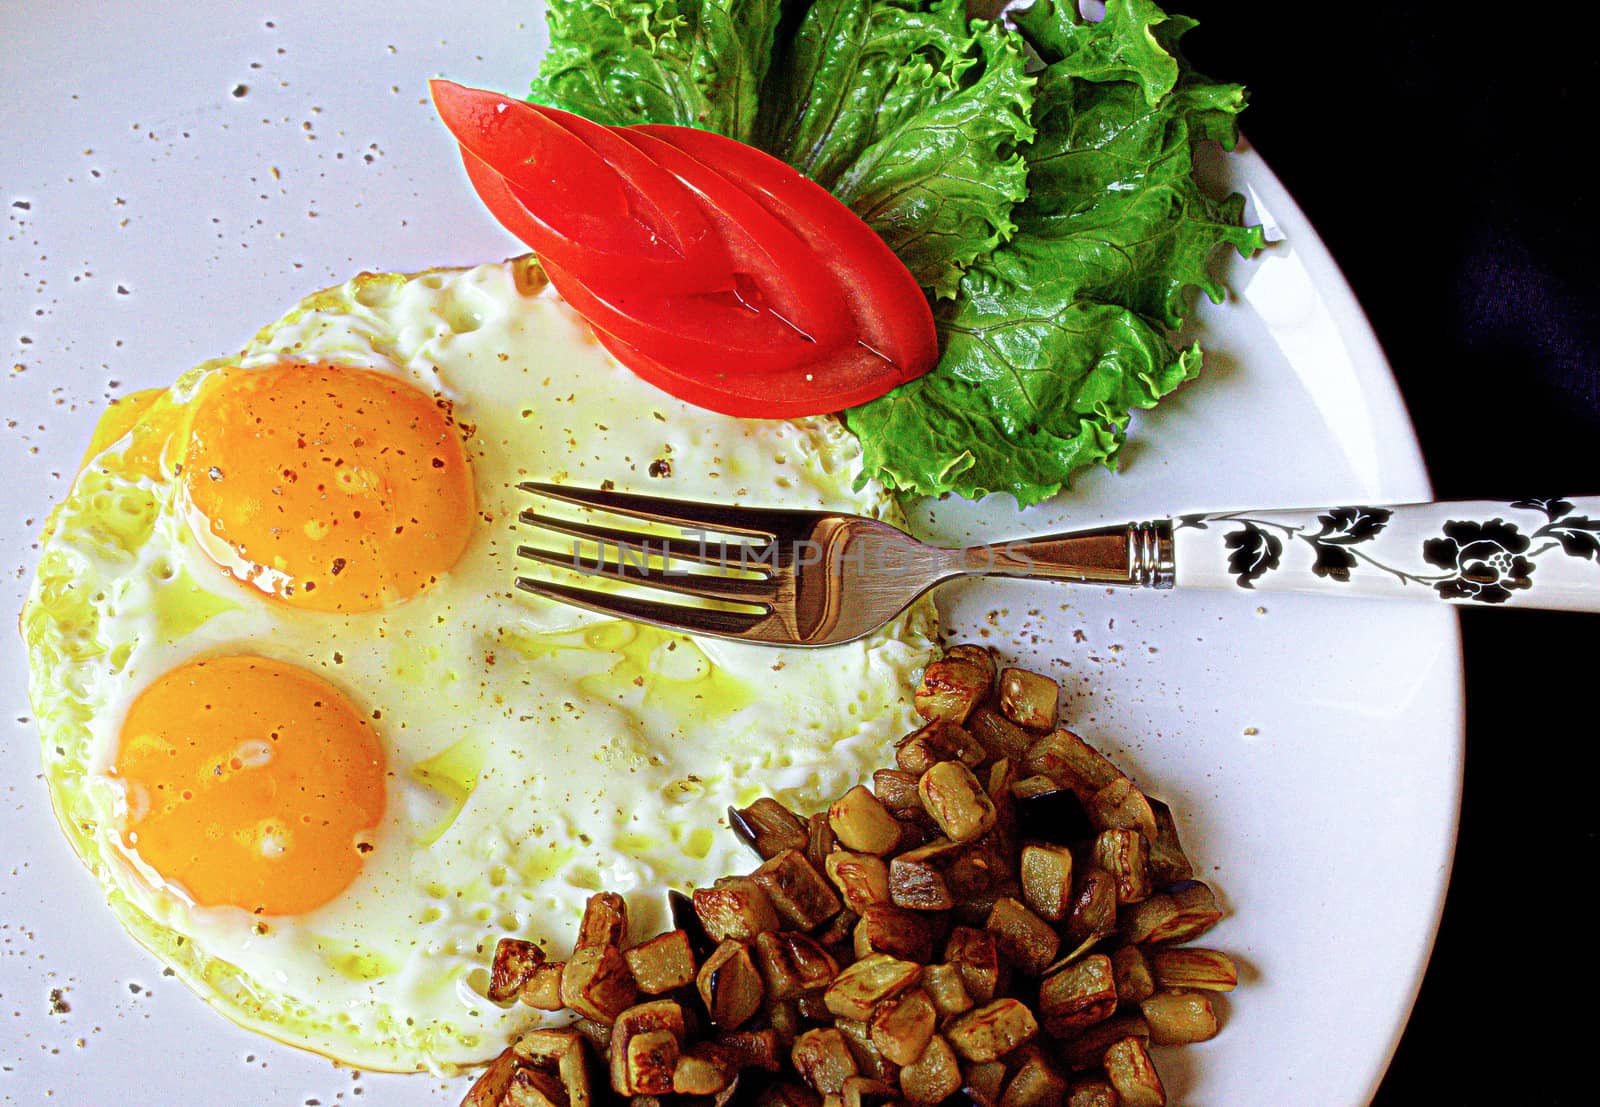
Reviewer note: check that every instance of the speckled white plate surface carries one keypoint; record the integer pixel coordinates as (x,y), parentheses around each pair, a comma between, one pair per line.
(174,176)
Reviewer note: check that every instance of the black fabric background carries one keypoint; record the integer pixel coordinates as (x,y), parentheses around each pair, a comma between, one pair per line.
(1444,158)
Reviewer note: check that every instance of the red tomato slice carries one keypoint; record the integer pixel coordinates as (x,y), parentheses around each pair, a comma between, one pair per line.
(617,211)
(892,310)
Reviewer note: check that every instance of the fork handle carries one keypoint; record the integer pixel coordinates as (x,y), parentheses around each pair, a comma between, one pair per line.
(1541,553)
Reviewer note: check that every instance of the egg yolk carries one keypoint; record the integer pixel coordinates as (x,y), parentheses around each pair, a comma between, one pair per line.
(333,489)
(250,783)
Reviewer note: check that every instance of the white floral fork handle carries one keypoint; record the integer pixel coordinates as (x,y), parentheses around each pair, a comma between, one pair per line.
(1528,553)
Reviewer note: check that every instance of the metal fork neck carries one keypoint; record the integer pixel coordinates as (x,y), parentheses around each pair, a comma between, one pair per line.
(1137,555)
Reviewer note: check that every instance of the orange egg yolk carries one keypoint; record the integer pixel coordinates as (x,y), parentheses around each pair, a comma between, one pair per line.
(332,489)
(250,783)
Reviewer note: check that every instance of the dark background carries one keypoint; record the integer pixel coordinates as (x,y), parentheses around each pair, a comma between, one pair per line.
(1443,157)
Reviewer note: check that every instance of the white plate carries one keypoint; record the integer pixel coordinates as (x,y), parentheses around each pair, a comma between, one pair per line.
(172,178)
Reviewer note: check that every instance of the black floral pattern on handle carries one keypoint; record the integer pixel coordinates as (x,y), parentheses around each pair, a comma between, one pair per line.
(1484,562)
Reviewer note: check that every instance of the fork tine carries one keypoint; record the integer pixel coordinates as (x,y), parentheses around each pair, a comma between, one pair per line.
(752,590)
(720,553)
(692,620)
(734,520)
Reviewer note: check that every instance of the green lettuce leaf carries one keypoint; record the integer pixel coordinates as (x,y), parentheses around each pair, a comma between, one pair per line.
(912,117)
(696,64)
(1053,340)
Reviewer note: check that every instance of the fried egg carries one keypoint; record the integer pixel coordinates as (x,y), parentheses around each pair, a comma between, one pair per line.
(322,754)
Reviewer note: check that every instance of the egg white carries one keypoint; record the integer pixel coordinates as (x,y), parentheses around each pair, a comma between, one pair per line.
(536,753)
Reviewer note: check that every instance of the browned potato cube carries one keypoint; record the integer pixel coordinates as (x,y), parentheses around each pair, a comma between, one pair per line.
(977,956)
(1037,1083)
(1088,1048)
(1070,761)
(945,987)
(918,878)
(700,1076)
(901,1027)
(1047,879)
(1028,698)
(862,824)
(752,1049)
(951,687)
(985,1082)
(952,795)
(543,989)
(1180,915)
(824,1060)
(937,741)
(793,964)
(783,1015)
(1121,806)
(896,789)
(859,1091)
(1023,938)
(981,656)
(820,840)
(489,1090)
(837,935)
(663,963)
(993,1030)
(1169,865)
(596,983)
(812,1008)
(563,1053)
(860,987)
(797,890)
(1093,914)
(933,1077)
(1131,1072)
(768,827)
(736,909)
(884,928)
(871,1061)
(1131,970)
(1206,969)
(645,1042)
(999,736)
(532,1088)
(1083,993)
(605,921)
(730,985)
(861,878)
(1095,1091)
(514,962)
(1125,854)
(1179,1017)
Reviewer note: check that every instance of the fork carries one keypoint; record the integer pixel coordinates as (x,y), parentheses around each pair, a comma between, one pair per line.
(817,578)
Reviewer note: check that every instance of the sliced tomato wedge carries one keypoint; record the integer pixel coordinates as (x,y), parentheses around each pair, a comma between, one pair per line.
(616,211)
(892,310)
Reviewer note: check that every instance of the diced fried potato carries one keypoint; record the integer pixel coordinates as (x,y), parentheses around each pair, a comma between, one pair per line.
(1023,938)
(918,877)
(1179,915)
(1209,970)
(933,1077)
(859,988)
(768,827)
(490,1088)
(1047,879)
(596,983)
(984,1082)
(951,687)
(1179,1017)
(1093,913)
(1125,854)
(884,928)
(862,824)
(700,1075)
(820,840)
(605,921)
(752,1049)
(948,991)
(901,1027)
(783,1015)
(862,879)
(837,935)
(1131,1072)
(514,962)
(532,1088)
(663,963)
(812,1008)
(896,789)
(952,795)
(595,1032)
(999,736)
(730,985)
(979,655)
(797,890)
(993,1030)
(562,1052)
(1169,865)
(1029,699)
(977,956)
(646,1069)
(543,988)
(1131,970)
(869,1058)
(1037,1083)
(793,964)
(1121,806)
(1068,760)
(1088,1049)
(1095,1091)
(824,1060)
(736,909)
(859,1091)
(934,742)
(1080,995)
